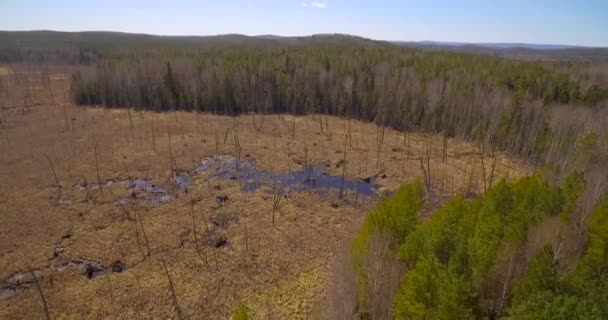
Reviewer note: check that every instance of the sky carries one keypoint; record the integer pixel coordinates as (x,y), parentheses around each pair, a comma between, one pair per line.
(567,22)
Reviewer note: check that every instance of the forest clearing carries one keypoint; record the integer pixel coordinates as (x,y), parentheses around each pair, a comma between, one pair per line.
(95,253)
(321,177)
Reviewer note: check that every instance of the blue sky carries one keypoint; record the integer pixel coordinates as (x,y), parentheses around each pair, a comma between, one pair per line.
(573,22)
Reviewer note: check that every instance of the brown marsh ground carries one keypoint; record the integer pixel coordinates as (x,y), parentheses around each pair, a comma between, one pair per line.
(107,252)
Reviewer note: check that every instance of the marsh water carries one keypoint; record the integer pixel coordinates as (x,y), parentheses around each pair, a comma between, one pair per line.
(312,178)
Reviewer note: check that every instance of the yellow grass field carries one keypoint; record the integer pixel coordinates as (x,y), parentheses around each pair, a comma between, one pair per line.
(4,71)
(54,228)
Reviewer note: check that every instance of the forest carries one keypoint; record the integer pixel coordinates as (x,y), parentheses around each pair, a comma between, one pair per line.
(514,105)
(461,263)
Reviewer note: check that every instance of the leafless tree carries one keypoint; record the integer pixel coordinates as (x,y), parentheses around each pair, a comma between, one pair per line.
(204,257)
(343,167)
(172,289)
(57,183)
(426,170)
(277,196)
(42,298)
(97,168)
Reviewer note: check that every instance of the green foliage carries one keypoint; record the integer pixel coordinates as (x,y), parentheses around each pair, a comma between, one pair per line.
(542,275)
(594,95)
(541,294)
(488,229)
(451,255)
(432,290)
(594,264)
(534,200)
(417,297)
(396,216)
(549,305)
(443,236)
(241,313)
(572,189)
(585,148)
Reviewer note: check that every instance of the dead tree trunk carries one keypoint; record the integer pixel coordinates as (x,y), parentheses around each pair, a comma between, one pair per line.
(237,144)
(343,167)
(215,260)
(426,171)
(493,168)
(57,183)
(204,257)
(276,200)
(444,153)
(380,144)
(172,289)
(226,135)
(293,125)
(350,135)
(172,162)
(97,169)
(154,140)
(483,169)
(130,123)
(42,298)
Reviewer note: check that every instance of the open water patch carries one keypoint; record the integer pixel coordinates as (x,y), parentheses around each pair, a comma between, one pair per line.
(224,167)
(307,178)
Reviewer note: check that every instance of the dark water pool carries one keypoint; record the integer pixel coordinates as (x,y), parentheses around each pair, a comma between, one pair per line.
(222,167)
(308,178)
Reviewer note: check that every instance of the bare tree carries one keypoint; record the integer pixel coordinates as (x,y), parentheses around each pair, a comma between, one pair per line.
(237,144)
(172,162)
(97,168)
(42,298)
(343,167)
(483,168)
(426,170)
(131,127)
(153,139)
(383,276)
(172,289)
(204,257)
(57,183)
(379,143)
(277,195)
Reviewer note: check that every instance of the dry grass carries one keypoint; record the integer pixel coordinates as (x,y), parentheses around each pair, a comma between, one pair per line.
(4,71)
(277,270)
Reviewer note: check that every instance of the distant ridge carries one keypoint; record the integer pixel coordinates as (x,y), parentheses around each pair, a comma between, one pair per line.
(495,45)
(15,45)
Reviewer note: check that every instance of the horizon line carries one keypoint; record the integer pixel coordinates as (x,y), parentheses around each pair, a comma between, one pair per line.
(425,41)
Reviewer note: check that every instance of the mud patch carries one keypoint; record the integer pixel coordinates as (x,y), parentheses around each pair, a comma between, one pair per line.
(17,283)
(22,281)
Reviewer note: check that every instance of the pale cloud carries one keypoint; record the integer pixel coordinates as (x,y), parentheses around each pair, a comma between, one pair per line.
(318,5)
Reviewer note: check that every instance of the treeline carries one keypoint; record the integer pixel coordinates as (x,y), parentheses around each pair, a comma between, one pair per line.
(506,103)
(507,255)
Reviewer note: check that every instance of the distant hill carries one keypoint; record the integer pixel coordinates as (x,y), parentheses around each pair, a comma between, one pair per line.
(88,46)
(515,50)
(78,46)
(493,45)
